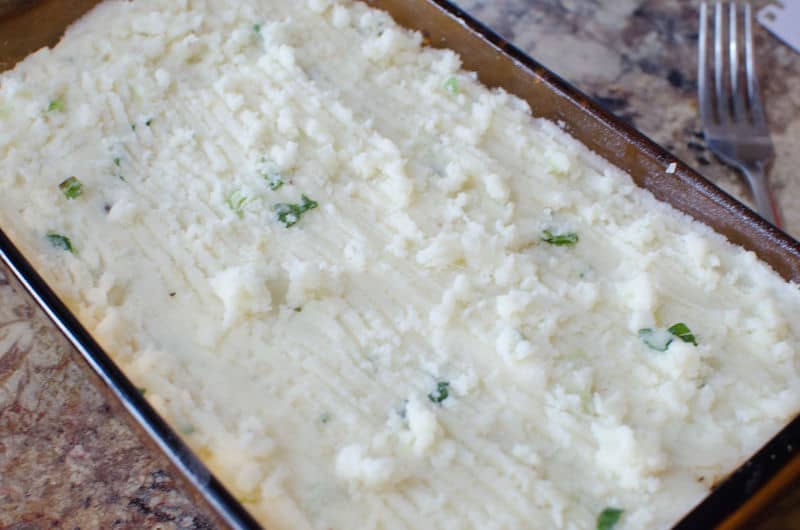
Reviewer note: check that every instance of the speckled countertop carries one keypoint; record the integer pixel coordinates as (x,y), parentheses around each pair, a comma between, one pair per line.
(69,457)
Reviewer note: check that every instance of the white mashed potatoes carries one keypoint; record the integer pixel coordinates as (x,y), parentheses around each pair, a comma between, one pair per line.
(374,294)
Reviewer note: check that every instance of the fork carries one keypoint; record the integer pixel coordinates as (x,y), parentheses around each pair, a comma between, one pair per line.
(730,107)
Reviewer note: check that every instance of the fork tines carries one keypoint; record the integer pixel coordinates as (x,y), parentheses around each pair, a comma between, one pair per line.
(734,96)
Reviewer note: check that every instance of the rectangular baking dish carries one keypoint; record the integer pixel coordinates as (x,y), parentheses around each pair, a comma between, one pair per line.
(27,25)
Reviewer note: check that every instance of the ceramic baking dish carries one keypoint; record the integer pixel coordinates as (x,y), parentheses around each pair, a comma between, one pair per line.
(26,25)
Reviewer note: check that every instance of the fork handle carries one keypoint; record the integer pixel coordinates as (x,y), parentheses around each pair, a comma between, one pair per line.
(765,202)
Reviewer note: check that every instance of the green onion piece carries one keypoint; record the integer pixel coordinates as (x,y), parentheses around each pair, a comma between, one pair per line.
(236,201)
(56,105)
(60,242)
(609,518)
(118,164)
(271,174)
(257,28)
(290,214)
(660,339)
(142,390)
(656,339)
(682,331)
(451,85)
(149,122)
(325,417)
(560,240)
(307,203)
(441,393)
(72,188)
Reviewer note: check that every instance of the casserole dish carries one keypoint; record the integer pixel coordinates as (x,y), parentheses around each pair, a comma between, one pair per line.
(549,98)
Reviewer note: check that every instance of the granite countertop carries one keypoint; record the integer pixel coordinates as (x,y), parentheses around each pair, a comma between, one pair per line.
(69,455)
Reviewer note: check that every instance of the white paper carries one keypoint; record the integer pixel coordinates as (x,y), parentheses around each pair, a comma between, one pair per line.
(783,20)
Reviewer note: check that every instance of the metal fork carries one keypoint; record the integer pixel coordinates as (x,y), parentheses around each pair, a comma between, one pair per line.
(730,107)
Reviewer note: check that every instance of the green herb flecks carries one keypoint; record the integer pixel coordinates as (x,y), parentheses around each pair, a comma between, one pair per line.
(682,331)
(441,393)
(257,28)
(325,417)
(656,339)
(72,188)
(451,85)
(60,242)
(56,105)
(236,201)
(289,214)
(149,122)
(271,174)
(608,518)
(660,339)
(560,240)
(142,390)
(117,168)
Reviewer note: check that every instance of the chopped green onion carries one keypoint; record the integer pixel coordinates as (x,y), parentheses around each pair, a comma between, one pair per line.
(656,339)
(56,105)
(257,28)
(142,390)
(72,188)
(325,417)
(567,239)
(608,518)
(441,393)
(118,164)
(290,214)
(451,85)
(236,201)
(660,339)
(271,174)
(60,242)
(682,331)
(149,122)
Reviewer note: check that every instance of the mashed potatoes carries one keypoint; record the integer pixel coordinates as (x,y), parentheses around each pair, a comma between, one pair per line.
(372,293)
